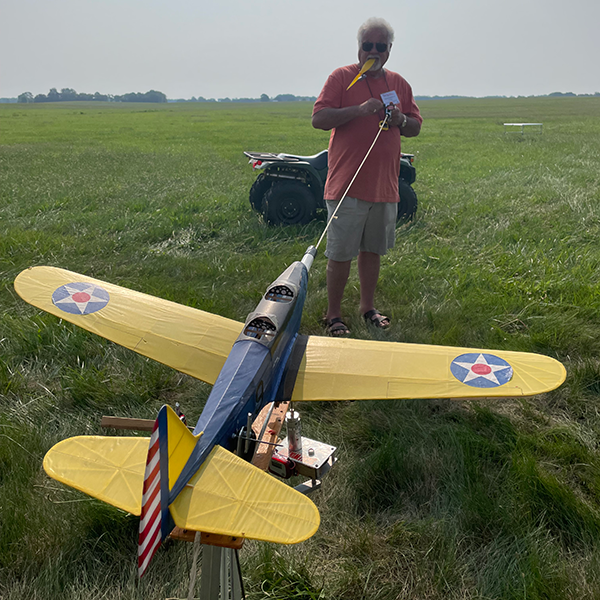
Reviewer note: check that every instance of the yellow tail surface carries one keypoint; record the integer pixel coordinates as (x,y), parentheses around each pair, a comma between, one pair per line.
(108,468)
(227,495)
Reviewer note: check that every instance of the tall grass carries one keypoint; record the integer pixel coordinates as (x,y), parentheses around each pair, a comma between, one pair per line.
(430,499)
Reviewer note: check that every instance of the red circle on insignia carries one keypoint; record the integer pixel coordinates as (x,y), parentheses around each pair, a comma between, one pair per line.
(481,369)
(81,297)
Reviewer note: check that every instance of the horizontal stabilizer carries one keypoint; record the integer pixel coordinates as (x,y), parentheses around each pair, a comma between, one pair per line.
(108,468)
(189,340)
(229,496)
(226,496)
(348,369)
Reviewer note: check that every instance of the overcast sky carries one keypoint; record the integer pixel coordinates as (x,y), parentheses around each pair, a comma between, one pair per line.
(240,48)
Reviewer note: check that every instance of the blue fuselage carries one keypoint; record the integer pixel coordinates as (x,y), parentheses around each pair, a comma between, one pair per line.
(253,373)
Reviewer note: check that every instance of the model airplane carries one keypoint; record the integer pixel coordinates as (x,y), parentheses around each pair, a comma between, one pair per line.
(193,479)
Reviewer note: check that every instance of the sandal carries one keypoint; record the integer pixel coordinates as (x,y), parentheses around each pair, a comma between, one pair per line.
(337,328)
(375,318)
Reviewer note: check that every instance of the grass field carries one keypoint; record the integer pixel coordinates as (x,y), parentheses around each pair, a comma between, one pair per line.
(496,499)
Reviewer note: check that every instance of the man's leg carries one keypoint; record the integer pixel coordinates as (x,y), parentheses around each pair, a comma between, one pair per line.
(337,277)
(368,274)
(378,238)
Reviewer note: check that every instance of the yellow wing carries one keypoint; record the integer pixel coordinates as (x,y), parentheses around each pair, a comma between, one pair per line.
(226,496)
(189,340)
(348,369)
(197,343)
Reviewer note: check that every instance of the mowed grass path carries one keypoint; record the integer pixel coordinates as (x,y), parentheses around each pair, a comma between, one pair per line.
(431,499)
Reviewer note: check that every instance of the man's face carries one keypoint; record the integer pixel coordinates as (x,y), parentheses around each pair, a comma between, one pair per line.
(374,37)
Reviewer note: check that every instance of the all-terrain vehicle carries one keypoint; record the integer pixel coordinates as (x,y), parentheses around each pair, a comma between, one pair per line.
(289,190)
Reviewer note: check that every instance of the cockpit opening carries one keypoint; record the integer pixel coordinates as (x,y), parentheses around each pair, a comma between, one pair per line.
(261,328)
(280,293)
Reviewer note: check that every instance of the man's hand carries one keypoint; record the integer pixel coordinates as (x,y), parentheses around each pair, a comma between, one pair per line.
(397,117)
(412,127)
(370,107)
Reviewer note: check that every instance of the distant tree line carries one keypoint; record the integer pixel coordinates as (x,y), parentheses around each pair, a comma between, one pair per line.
(70,95)
(151,96)
(571,95)
(263,98)
(552,95)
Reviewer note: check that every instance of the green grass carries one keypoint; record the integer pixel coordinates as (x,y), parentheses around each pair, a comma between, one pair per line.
(496,499)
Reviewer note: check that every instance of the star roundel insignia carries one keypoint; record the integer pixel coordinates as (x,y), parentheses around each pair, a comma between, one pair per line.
(80,298)
(481,370)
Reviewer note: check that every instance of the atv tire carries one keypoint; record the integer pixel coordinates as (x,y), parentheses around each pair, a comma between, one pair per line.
(258,190)
(407,207)
(289,203)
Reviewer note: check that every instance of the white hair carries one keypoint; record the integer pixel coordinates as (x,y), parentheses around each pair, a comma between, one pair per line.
(375,23)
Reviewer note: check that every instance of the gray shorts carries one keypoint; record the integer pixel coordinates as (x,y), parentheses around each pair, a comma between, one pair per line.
(360,226)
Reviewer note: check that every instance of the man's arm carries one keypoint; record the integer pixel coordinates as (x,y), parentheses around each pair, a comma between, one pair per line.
(328,118)
(412,127)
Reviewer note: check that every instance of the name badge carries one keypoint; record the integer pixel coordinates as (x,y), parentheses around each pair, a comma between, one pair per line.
(390,97)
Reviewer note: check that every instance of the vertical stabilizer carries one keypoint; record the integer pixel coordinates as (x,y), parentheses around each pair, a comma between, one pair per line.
(170,446)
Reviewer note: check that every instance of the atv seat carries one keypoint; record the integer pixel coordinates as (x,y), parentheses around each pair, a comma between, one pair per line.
(317,161)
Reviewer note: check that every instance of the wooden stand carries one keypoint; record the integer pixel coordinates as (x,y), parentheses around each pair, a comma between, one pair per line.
(267,426)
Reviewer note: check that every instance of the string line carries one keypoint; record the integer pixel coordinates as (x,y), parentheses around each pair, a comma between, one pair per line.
(333,216)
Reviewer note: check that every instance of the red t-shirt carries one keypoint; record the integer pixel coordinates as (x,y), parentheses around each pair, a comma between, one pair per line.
(349,143)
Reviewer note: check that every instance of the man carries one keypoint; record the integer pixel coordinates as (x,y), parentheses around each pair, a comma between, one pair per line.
(365,222)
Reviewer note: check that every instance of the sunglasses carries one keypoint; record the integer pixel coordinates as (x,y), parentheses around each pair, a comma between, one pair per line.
(368,46)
